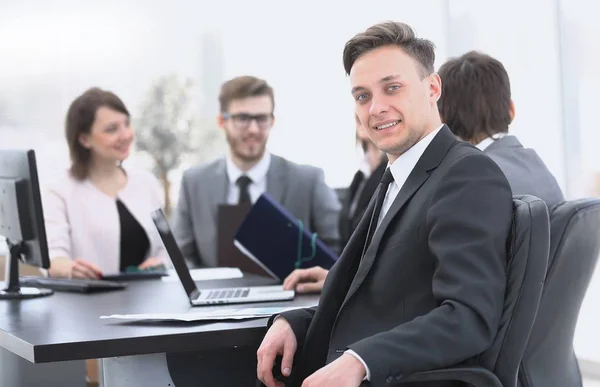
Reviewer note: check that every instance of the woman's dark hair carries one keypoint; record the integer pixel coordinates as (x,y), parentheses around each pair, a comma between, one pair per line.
(80,118)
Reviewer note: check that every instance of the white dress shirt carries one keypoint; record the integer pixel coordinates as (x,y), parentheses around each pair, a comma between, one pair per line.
(258,175)
(489,141)
(401,169)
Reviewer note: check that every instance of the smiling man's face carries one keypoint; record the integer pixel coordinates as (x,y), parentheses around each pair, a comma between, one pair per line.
(395,104)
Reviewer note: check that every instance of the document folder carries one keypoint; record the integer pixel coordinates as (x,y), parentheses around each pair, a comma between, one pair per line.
(272,237)
(230,217)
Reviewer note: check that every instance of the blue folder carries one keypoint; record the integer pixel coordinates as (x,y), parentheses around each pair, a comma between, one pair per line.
(277,241)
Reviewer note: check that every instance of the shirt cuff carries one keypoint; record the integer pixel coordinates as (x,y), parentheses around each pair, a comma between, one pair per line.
(368,373)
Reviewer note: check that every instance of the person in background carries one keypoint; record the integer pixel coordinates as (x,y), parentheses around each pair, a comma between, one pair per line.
(476,105)
(246,172)
(97,215)
(359,195)
(363,184)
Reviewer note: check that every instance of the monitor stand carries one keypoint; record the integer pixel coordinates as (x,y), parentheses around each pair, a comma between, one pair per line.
(13,290)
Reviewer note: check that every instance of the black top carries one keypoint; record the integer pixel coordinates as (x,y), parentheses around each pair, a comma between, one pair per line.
(134,241)
(359,193)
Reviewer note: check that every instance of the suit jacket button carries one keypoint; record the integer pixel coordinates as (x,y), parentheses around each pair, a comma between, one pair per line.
(389,379)
(399,376)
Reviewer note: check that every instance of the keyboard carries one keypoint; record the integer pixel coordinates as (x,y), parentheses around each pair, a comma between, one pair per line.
(228,293)
(134,275)
(71,285)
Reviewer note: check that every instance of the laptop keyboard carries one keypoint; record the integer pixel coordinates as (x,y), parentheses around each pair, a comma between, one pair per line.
(228,293)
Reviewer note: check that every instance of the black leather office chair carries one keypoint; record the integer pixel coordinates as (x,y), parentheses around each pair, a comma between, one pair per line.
(574,247)
(528,248)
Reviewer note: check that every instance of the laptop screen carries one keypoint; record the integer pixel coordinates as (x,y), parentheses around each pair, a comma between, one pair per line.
(160,221)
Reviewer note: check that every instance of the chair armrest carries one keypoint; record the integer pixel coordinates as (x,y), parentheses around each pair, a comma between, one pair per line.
(476,376)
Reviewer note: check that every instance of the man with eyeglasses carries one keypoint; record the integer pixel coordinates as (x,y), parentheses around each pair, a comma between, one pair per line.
(246,172)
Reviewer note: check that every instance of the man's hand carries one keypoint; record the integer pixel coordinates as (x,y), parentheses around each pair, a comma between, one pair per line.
(306,280)
(279,340)
(346,371)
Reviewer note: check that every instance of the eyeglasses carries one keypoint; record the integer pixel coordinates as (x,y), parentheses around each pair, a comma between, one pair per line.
(241,121)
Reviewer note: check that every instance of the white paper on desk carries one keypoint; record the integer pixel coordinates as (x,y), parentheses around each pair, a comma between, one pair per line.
(214,315)
(212,273)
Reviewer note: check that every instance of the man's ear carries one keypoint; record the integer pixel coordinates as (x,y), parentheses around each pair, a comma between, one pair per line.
(435,87)
(511,111)
(221,121)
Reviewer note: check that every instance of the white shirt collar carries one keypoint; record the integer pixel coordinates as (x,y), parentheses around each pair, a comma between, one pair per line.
(490,140)
(257,173)
(405,163)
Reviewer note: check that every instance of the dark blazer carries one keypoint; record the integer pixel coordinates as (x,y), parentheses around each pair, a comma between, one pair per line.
(429,290)
(348,223)
(525,170)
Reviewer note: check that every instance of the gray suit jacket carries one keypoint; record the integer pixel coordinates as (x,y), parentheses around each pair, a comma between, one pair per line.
(525,171)
(301,189)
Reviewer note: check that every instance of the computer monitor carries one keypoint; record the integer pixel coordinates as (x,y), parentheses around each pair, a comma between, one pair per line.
(21,221)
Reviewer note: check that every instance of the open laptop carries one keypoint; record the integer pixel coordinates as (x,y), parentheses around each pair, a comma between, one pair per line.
(212,296)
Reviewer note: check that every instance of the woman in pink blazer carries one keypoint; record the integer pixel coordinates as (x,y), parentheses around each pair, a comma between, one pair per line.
(98,214)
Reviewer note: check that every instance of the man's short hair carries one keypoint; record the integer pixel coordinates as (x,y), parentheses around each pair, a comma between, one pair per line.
(244,87)
(475,100)
(386,34)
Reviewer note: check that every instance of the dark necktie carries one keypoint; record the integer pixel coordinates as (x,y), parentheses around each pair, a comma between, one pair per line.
(386,179)
(243,182)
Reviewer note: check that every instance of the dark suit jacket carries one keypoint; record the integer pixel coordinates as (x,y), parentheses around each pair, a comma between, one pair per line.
(525,171)
(348,223)
(429,290)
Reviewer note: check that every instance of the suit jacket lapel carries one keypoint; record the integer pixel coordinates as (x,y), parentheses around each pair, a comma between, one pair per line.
(216,190)
(277,179)
(431,158)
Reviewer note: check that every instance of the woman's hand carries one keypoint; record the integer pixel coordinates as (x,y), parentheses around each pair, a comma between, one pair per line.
(78,268)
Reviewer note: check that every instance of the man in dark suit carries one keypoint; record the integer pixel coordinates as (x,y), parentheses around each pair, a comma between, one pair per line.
(476,104)
(420,284)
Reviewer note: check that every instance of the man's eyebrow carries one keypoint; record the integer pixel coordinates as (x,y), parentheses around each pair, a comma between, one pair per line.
(391,77)
(357,88)
(388,78)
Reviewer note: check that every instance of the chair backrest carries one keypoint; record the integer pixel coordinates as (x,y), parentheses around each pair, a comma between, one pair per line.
(528,250)
(549,359)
